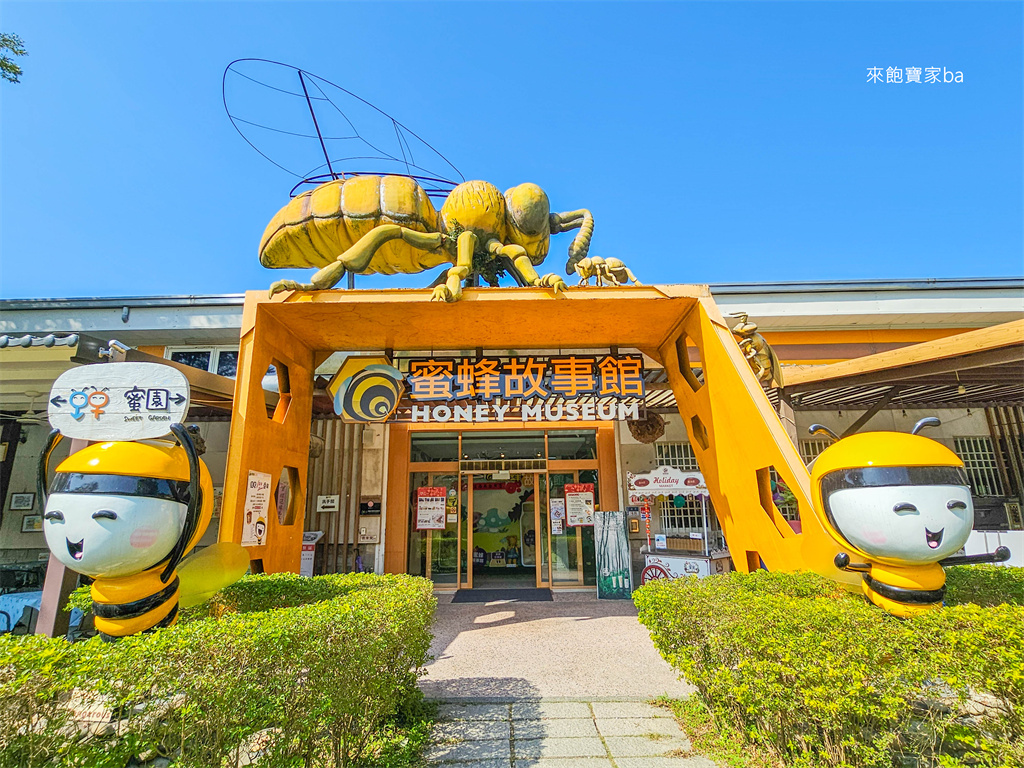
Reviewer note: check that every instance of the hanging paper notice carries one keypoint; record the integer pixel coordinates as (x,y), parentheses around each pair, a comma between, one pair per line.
(579,503)
(257,502)
(558,509)
(557,516)
(430,508)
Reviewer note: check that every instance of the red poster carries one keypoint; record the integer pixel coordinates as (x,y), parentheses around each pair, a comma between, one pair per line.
(430,508)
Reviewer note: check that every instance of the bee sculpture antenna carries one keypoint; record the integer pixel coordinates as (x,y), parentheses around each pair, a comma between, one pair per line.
(927,421)
(816,428)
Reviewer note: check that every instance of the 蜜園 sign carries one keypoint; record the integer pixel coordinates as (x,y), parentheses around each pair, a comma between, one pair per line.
(118,401)
(564,388)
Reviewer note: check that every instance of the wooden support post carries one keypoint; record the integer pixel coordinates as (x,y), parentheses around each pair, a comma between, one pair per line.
(996,434)
(788,418)
(60,581)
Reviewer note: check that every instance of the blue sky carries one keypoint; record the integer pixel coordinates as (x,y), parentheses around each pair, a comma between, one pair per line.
(714,142)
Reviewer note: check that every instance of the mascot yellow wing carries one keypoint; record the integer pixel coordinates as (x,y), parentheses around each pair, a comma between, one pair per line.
(208,571)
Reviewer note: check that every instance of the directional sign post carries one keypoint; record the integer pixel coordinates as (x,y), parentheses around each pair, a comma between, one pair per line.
(118,401)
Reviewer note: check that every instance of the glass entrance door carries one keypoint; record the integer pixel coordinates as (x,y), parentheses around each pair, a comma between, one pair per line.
(434,551)
(572,558)
(502,533)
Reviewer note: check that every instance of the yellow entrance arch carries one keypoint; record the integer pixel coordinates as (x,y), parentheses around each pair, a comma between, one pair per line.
(735,432)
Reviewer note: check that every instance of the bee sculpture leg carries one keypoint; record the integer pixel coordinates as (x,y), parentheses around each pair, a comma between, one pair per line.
(524,266)
(625,273)
(451,288)
(357,258)
(609,276)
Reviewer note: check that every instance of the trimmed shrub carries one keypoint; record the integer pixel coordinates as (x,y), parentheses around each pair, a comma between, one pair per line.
(823,678)
(263,592)
(319,683)
(984,585)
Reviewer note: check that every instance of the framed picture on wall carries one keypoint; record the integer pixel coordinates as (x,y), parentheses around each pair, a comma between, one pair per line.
(31,523)
(22,501)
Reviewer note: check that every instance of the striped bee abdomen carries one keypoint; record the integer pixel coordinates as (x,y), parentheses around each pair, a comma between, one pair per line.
(137,603)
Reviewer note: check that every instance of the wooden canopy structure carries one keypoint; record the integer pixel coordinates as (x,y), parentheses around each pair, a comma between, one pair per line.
(982,368)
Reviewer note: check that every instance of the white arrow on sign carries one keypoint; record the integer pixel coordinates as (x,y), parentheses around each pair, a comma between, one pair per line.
(118,401)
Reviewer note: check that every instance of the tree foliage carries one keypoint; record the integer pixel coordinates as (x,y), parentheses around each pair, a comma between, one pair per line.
(9,70)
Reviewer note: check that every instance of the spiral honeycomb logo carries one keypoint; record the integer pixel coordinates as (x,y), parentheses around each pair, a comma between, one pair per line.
(370,394)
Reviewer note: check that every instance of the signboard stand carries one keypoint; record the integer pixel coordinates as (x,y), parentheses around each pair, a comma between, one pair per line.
(660,562)
(611,548)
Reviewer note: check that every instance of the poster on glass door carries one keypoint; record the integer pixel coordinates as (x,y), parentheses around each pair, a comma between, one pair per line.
(430,508)
(557,516)
(579,503)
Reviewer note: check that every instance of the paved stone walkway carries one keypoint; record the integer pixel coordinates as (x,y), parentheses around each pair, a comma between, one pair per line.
(577,647)
(560,734)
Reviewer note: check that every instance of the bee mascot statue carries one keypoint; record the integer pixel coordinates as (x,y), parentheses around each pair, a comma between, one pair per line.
(902,505)
(125,513)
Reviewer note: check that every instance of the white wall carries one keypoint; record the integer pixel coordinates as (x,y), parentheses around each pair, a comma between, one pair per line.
(956,422)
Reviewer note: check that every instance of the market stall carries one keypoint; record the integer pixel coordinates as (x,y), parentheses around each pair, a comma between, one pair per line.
(693,550)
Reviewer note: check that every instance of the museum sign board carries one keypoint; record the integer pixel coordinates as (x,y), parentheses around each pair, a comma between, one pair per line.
(499,389)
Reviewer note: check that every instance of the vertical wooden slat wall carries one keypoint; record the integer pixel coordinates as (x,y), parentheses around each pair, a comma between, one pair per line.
(336,472)
(1006,427)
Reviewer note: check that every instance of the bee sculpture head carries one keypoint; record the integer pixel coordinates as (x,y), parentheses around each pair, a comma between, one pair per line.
(893,498)
(119,508)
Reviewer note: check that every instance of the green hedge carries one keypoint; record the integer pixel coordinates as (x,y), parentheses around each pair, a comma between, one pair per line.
(263,593)
(822,678)
(984,585)
(329,675)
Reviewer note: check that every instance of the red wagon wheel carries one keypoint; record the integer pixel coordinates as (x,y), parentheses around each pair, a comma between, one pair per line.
(652,572)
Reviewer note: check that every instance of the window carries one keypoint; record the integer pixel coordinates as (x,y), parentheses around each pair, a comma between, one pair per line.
(980,462)
(227,363)
(783,498)
(220,361)
(681,514)
(810,449)
(194,358)
(570,445)
(678,455)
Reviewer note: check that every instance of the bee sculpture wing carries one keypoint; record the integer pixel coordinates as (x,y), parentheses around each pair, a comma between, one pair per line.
(317,131)
(209,570)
